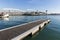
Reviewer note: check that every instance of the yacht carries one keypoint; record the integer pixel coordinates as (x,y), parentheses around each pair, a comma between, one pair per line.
(4,15)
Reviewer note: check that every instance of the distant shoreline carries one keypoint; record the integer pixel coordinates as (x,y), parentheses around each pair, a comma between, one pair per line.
(35,15)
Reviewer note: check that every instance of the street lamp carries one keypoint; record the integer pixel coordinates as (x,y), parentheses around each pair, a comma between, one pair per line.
(46,13)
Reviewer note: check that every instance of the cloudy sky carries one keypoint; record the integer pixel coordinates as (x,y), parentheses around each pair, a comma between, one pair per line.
(50,5)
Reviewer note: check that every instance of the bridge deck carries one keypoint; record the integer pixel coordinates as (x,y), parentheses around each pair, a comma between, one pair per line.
(13,32)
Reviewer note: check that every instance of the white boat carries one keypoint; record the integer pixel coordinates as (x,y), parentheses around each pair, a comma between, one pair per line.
(4,15)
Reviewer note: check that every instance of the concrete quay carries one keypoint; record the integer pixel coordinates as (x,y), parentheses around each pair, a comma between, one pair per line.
(21,31)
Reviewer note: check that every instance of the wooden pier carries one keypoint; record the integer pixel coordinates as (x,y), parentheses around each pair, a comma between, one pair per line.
(20,31)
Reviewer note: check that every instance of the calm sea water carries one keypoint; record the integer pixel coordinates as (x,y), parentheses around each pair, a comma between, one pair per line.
(17,20)
(50,32)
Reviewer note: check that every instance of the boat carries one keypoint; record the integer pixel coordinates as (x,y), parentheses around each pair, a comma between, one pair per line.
(4,15)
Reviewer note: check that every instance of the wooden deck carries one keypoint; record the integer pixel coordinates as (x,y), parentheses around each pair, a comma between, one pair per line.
(13,32)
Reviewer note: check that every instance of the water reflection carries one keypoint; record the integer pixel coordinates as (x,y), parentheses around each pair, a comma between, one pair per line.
(5,19)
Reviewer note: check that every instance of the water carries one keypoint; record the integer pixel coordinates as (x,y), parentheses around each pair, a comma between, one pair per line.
(17,20)
(50,32)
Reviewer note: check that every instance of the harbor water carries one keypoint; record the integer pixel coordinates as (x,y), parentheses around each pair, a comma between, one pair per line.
(50,32)
(17,20)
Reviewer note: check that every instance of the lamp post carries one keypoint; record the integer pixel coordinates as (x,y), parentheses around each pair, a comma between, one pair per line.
(46,13)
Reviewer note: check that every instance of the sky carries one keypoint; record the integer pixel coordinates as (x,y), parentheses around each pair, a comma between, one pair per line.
(42,5)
